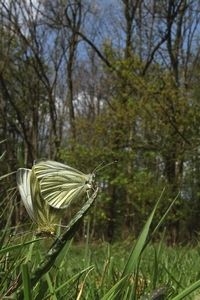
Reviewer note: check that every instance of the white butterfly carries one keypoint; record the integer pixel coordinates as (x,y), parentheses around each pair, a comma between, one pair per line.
(49,188)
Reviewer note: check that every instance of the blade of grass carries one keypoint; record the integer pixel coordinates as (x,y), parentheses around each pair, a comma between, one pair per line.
(6,228)
(117,291)
(26,282)
(187,291)
(14,247)
(114,292)
(164,216)
(74,278)
(51,288)
(6,175)
(140,244)
(82,285)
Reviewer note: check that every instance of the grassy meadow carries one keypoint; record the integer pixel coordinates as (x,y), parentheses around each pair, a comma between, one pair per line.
(55,267)
(130,269)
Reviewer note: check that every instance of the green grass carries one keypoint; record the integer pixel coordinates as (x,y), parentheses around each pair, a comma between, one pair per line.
(172,267)
(34,268)
(90,271)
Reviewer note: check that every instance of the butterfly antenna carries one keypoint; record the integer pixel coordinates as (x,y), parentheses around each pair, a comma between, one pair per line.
(98,167)
(101,166)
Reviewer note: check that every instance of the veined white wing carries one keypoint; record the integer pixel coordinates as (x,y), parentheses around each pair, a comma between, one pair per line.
(61,184)
(23,182)
(41,213)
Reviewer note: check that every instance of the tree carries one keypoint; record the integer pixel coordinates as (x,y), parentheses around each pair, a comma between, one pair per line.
(149,107)
(108,81)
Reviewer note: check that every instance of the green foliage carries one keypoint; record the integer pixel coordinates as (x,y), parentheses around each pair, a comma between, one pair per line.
(147,126)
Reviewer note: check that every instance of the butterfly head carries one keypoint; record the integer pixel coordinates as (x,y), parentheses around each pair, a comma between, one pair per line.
(90,181)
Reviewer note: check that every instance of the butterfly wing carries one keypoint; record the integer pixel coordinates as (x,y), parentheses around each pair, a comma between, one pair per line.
(47,217)
(59,183)
(23,181)
(45,168)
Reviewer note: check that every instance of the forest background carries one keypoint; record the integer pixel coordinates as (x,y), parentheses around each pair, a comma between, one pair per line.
(86,81)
